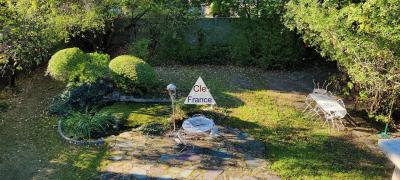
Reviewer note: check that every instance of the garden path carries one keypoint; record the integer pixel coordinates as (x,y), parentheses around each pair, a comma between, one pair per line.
(232,155)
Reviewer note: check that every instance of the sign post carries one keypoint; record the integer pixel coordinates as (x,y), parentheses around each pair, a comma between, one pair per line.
(200,94)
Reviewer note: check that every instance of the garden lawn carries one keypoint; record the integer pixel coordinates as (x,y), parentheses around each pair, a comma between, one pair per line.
(137,114)
(297,147)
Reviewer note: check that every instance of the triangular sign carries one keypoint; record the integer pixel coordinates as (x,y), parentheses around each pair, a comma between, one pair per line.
(199,94)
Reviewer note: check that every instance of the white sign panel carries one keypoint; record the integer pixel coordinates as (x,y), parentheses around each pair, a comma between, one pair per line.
(200,94)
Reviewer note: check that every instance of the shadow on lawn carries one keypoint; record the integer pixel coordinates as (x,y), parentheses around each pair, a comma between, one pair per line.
(295,151)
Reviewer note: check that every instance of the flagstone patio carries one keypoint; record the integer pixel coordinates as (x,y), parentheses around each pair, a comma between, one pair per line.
(232,155)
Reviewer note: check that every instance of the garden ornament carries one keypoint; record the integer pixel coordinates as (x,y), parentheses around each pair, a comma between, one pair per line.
(172,94)
(385,134)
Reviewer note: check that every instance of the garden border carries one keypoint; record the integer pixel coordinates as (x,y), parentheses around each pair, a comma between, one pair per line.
(118,97)
(96,142)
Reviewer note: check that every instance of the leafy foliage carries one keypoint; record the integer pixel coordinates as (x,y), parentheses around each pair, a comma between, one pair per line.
(256,38)
(140,48)
(84,126)
(80,97)
(256,42)
(96,68)
(32,30)
(363,37)
(73,65)
(4,106)
(132,74)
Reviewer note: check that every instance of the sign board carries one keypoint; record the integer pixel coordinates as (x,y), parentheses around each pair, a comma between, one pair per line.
(200,94)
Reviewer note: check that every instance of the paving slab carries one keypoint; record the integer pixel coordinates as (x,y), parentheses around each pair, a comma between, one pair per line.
(233,154)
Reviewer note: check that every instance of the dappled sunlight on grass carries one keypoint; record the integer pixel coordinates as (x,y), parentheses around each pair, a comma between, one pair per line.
(137,114)
(78,162)
(297,147)
(302,147)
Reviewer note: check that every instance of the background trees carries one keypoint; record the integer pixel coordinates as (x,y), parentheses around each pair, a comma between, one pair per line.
(33,29)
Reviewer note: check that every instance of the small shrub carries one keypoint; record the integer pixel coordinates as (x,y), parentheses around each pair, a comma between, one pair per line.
(83,126)
(140,48)
(59,106)
(132,74)
(66,64)
(73,65)
(80,97)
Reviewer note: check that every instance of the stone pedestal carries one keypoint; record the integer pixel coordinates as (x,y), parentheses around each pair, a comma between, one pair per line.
(391,147)
(396,173)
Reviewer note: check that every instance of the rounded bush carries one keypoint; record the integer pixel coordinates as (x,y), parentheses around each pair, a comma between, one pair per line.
(131,74)
(64,64)
(73,65)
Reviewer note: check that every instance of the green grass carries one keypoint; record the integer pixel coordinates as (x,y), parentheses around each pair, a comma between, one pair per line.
(30,146)
(297,147)
(137,114)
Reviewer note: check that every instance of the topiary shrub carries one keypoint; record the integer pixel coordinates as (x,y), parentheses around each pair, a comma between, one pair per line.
(84,126)
(96,68)
(73,65)
(66,64)
(132,74)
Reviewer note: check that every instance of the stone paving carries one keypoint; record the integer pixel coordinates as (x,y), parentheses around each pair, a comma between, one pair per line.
(231,155)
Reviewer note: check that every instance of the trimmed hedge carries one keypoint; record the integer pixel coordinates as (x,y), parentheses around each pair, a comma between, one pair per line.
(73,65)
(64,65)
(132,74)
(259,42)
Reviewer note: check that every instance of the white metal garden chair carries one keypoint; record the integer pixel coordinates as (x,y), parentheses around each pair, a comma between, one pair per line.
(328,106)
(312,108)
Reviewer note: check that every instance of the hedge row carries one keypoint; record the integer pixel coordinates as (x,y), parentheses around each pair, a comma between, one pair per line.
(264,43)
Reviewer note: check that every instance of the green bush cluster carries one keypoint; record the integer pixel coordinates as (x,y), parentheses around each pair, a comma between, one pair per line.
(73,65)
(132,74)
(84,126)
(80,97)
(363,37)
